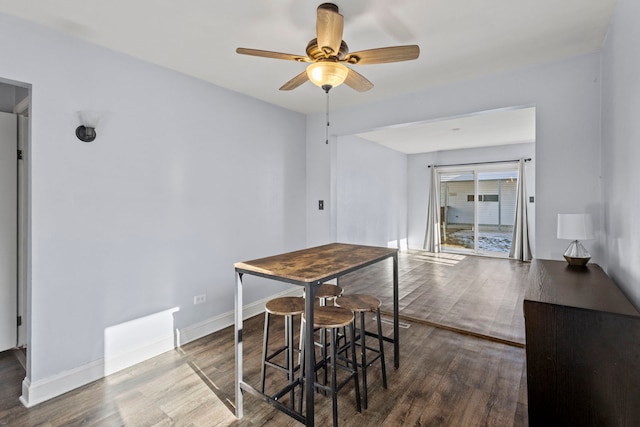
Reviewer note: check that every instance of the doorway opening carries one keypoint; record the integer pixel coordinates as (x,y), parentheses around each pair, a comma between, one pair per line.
(14,143)
(477,209)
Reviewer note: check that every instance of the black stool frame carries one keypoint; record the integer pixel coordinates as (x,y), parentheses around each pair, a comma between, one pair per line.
(362,343)
(333,388)
(289,364)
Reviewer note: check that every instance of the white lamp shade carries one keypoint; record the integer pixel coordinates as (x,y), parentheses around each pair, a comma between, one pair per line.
(327,73)
(575,226)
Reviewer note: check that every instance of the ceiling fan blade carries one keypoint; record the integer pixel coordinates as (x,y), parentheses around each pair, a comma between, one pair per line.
(329,26)
(274,55)
(383,55)
(296,81)
(357,81)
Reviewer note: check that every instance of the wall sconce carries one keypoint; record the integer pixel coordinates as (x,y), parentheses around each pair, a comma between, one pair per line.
(88,122)
(575,227)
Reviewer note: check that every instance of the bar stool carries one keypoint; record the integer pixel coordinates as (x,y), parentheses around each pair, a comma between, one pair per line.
(328,292)
(287,307)
(332,319)
(361,303)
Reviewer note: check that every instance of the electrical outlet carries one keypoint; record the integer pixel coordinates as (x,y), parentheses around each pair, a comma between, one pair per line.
(321,205)
(199,299)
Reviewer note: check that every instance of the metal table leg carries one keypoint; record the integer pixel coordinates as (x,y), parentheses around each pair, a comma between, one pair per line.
(309,349)
(396,328)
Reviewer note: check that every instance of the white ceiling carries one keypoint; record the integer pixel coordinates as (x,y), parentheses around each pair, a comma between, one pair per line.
(483,129)
(458,39)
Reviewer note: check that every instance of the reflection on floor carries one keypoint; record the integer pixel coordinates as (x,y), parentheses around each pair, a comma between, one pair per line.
(479,295)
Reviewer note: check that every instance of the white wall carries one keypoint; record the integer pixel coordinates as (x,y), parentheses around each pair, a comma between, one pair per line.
(621,148)
(567,99)
(321,182)
(184,179)
(420,181)
(371,193)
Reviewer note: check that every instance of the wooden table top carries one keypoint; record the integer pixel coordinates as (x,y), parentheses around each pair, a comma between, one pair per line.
(316,264)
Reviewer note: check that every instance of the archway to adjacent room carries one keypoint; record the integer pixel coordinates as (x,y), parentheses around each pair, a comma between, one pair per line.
(382,184)
(382,176)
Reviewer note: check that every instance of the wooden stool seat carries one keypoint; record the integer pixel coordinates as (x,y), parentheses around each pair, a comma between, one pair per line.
(359,302)
(285,306)
(331,317)
(328,291)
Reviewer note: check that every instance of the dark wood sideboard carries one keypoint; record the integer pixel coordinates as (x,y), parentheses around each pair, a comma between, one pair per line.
(582,346)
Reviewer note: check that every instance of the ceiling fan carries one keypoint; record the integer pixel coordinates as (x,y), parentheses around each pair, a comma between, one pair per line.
(328,53)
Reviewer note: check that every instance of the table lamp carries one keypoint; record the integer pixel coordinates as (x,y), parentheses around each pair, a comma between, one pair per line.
(575,227)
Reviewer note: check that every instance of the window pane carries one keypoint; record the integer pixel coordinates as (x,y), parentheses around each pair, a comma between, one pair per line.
(497,212)
(456,211)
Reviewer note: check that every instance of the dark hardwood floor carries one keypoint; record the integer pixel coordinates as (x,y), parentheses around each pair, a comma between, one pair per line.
(445,378)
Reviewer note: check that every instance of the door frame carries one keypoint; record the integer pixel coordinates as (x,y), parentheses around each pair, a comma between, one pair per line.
(23,109)
(8,231)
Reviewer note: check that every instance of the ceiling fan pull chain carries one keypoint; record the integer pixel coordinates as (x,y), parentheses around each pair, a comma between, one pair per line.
(327,127)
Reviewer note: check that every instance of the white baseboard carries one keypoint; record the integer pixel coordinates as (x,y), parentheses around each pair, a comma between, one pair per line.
(55,385)
(39,391)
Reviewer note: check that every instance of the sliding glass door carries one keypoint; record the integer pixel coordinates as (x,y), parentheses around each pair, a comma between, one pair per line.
(477,209)
(457,215)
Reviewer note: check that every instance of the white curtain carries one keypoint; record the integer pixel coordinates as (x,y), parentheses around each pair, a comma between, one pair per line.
(432,236)
(520,243)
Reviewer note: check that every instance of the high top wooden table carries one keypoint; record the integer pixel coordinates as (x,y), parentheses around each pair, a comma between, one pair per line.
(309,268)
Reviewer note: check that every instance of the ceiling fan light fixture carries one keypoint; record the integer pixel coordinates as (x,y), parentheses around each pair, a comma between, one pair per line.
(327,52)
(325,73)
